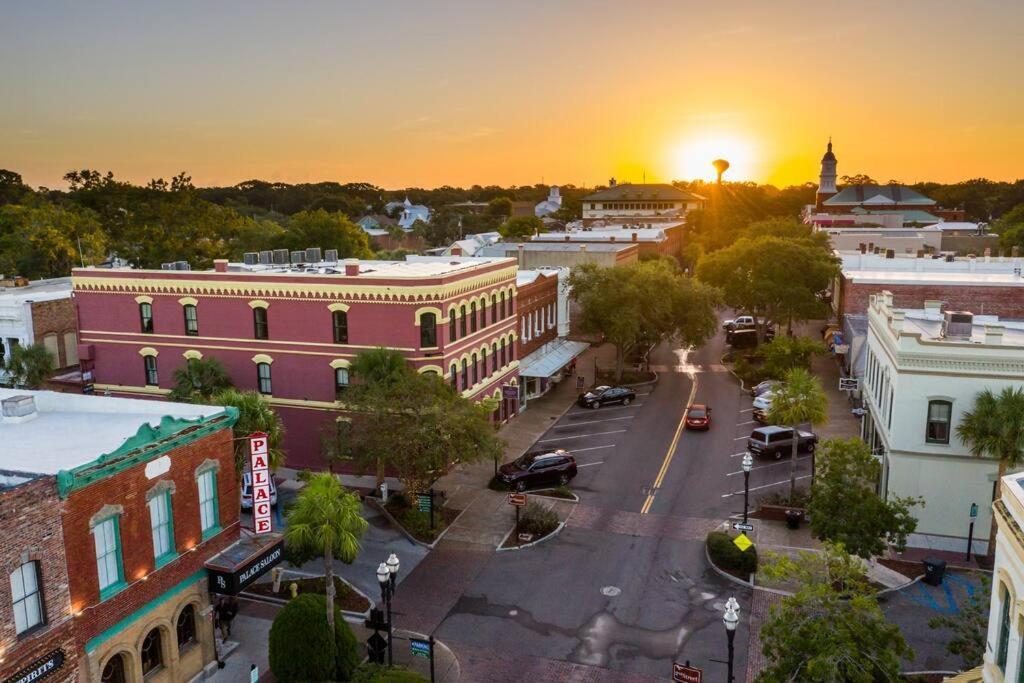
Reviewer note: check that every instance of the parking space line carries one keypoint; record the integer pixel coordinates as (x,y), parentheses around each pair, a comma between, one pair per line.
(741,438)
(765,486)
(771,464)
(590,411)
(736,455)
(591,464)
(593,422)
(592,448)
(581,436)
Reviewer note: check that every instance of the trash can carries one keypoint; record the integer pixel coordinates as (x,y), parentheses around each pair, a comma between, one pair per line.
(793,518)
(934,570)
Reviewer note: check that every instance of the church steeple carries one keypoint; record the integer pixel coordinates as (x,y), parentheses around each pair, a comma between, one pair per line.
(827,180)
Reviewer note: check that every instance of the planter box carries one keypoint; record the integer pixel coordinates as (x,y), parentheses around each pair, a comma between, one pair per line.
(778,512)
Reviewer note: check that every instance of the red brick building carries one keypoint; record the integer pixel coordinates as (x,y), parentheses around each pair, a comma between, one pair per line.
(149,495)
(39,312)
(291,332)
(37,636)
(538,309)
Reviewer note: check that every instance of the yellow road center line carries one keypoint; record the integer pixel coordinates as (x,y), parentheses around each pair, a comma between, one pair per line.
(671,449)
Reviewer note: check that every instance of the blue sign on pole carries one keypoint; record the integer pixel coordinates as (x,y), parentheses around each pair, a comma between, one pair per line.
(420,648)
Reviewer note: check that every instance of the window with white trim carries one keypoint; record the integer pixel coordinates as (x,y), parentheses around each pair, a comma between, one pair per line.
(160,526)
(208,518)
(27,597)
(108,554)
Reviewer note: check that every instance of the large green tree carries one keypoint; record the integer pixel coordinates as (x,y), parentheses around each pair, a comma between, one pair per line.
(642,305)
(781,279)
(832,629)
(520,227)
(29,366)
(846,508)
(994,428)
(328,231)
(43,240)
(254,415)
(800,399)
(325,520)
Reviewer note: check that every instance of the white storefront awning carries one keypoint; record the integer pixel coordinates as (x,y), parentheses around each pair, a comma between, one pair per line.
(550,358)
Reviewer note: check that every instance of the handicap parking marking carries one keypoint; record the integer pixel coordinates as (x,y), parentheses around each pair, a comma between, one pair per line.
(920,594)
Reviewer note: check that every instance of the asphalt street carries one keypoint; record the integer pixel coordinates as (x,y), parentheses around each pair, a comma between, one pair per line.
(626,585)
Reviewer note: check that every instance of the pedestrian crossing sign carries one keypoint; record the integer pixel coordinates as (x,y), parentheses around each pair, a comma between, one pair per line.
(742,542)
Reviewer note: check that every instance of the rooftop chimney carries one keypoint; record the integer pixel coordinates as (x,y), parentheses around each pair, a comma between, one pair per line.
(566,237)
(994,334)
(220,265)
(612,237)
(634,237)
(456,251)
(896,322)
(351,266)
(521,255)
(863,248)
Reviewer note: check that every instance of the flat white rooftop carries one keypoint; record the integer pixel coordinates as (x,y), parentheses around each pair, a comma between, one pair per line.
(71,429)
(929,326)
(37,290)
(890,277)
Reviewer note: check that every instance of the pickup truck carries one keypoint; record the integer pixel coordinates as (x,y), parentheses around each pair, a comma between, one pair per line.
(744,322)
(776,442)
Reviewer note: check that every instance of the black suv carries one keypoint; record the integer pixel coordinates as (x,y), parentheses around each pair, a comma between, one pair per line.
(602,396)
(538,468)
(775,442)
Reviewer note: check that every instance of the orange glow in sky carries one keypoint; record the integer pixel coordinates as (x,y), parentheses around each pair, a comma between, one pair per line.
(401,93)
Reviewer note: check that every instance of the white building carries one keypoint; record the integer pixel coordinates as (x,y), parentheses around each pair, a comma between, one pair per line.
(648,200)
(923,369)
(30,313)
(1004,654)
(550,205)
(471,244)
(408,213)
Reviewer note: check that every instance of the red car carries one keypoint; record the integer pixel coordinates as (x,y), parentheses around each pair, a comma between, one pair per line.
(698,416)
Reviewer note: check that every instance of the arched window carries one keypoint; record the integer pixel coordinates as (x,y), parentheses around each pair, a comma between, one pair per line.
(526,329)
(260,324)
(483,363)
(494,357)
(186,627)
(146,317)
(428,330)
(263,383)
(472,316)
(191,320)
(70,348)
(1003,644)
(455,377)
(340,380)
(27,597)
(151,652)
(452,330)
(476,369)
(149,364)
(462,320)
(502,304)
(483,313)
(340,320)
(494,308)
(939,413)
(503,353)
(113,672)
(465,374)
(52,348)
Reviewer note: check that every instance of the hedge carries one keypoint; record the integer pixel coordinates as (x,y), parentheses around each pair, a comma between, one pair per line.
(727,556)
(300,643)
(373,673)
(538,520)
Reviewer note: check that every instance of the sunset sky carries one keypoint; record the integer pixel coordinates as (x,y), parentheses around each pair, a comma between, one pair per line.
(429,93)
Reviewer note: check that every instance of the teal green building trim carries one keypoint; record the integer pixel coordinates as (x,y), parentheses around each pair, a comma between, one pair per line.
(147,444)
(96,641)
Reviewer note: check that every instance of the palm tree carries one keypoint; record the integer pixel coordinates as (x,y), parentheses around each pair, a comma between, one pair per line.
(199,379)
(325,520)
(29,366)
(254,415)
(994,428)
(800,399)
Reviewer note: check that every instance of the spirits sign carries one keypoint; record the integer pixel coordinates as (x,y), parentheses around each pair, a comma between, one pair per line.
(259,464)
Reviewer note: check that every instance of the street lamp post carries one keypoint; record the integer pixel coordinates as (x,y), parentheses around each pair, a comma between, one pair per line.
(748,464)
(387,574)
(731,619)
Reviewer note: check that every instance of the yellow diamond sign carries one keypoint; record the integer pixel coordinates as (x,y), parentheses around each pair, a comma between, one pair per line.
(742,542)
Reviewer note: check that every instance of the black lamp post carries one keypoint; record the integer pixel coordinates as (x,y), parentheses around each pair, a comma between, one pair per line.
(387,574)
(731,619)
(748,464)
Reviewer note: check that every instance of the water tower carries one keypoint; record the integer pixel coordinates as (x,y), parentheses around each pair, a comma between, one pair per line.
(721,166)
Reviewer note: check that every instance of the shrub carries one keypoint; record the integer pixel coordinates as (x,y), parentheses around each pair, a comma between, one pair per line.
(727,556)
(538,520)
(785,353)
(300,643)
(374,673)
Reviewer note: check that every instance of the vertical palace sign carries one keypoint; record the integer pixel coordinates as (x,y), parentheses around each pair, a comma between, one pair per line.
(259,464)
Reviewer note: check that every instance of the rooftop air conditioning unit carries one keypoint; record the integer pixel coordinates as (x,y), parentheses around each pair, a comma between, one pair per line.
(166,266)
(182,265)
(313,255)
(298,257)
(280,257)
(331,255)
(266,257)
(251,258)
(958,325)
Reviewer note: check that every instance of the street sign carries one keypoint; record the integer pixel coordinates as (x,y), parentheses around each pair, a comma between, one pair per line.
(849,384)
(510,391)
(423,501)
(742,542)
(740,526)
(419,648)
(974,511)
(517,499)
(684,673)
(259,464)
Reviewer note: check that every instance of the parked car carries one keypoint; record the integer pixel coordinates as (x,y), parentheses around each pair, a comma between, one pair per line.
(698,416)
(765,386)
(602,396)
(775,441)
(746,322)
(247,491)
(762,406)
(545,467)
(746,339)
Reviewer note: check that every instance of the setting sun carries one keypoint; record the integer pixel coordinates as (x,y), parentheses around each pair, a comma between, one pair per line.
(692,159)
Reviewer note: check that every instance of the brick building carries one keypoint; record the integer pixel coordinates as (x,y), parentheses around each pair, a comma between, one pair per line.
(986,285)
(538,314)
(38,312)
(291,332)
(37,638)
(148,495)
